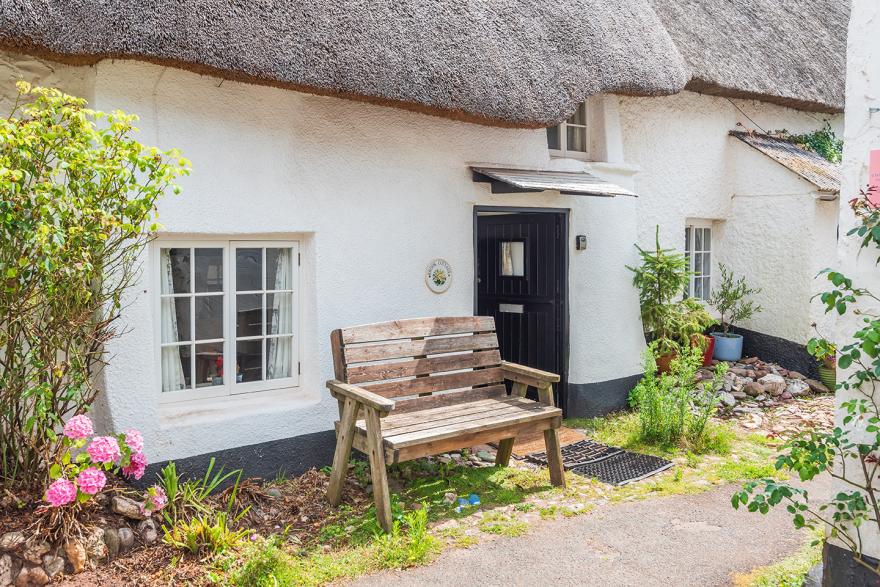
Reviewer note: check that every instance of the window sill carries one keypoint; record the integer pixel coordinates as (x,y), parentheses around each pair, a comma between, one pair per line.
(230,407)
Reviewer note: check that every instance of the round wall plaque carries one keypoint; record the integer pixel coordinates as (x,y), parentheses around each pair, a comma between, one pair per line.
(438,275)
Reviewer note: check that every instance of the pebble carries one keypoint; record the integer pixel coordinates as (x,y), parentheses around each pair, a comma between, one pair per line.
(148,531)
(274,493)
(449,498)
(11,540)
(126,538)
(111,540)
(5,570)
(486,456)
(127,507)
(31,577)
(53,565)
(76,554)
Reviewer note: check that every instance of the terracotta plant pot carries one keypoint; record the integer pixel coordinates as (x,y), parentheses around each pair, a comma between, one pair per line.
(828,376)
(663,362)
(710,349)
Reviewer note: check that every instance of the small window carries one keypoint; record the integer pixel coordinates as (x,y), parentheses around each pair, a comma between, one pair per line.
(569,139)
(698,251)
(228,317)
(513,259)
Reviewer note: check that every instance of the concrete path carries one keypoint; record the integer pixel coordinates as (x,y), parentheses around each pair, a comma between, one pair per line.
(697,540)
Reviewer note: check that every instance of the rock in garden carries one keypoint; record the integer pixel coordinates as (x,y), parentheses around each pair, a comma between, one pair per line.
(126,538)
(445,459)
(11,540)
(785,395)
(749,360)
(94,544)
(111,541)
(773,384)
(274,493)
(31,577)
(148,531)
(76,554)
(53,565)
(5,570)
(739,395)
(727,399)
(449,498)
(795,375)
(797,387)
(817,386)
(484,455)
(34,554)
(127,507)
(753,388)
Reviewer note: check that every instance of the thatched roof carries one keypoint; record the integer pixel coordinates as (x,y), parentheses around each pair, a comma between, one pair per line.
(504,62)
(809,165)
(791,52)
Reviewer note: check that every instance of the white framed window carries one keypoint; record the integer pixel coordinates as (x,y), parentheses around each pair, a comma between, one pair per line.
(569,139)
(228,315)
(698,250)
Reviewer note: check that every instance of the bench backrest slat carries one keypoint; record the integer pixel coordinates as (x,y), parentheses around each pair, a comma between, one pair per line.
(421,356)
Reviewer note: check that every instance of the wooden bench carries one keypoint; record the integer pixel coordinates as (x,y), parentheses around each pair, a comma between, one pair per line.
(411,388)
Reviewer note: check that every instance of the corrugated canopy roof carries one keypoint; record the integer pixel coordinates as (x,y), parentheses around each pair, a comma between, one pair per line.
(507,181)
(807,164)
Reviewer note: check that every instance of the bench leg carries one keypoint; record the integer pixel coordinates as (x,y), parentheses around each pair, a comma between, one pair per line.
(554,457)
(505,449)
(343,451)
(381,496)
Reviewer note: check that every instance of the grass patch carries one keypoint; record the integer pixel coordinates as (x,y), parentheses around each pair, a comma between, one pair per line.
(457,537)
(503,525)
(789,572)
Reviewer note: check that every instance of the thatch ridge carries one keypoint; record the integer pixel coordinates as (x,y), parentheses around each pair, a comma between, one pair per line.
(500,62)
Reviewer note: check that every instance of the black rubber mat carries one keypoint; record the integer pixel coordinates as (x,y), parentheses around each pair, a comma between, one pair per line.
(578,453)
(623,468)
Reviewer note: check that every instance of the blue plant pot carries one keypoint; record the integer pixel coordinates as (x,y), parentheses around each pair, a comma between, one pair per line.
(728,348)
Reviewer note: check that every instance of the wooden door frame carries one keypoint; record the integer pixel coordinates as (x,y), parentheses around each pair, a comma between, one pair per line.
(564,214)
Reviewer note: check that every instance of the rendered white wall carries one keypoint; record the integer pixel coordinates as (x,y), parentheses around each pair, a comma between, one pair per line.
(862,133)
(374,193)
(770,226)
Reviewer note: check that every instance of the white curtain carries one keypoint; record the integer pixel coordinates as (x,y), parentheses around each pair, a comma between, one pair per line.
(172,368)
(279,351)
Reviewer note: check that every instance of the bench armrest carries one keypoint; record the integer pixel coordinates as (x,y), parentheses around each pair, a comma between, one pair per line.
(360,395)
(527,375)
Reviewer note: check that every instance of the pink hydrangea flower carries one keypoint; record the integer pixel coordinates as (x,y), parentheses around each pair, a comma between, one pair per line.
(155,500)
(61,492)
(104,449)
(91,480)
(134,440)
(78,427)
(137,466)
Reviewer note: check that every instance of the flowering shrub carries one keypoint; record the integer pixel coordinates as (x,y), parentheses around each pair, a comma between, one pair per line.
(81,473)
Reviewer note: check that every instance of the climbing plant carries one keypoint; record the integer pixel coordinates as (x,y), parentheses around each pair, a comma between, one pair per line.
(822,141)
(849,453)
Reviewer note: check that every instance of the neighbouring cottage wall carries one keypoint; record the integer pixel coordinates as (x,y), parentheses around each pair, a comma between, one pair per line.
(769,225)
(78,81)
(374,194)
(862,133)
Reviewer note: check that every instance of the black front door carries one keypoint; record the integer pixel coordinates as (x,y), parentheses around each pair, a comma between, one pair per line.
(521,282)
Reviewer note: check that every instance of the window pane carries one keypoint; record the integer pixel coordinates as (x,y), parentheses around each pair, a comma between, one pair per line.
(687,239)
(176,368)
(553,138)
(249,315)
(248,269)
(175,319)
(175,271)
(698,244)
(279,363)
(278,268)
(279,313)
(513,259)
(579,116)
(698,263)
(209,270)
(577,138)
(249,355)
(209,364)
(698,288)
(706,287)
(707,239)
(209,317)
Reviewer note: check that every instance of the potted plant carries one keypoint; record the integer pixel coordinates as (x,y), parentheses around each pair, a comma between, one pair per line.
(729,298)
(825,351)
(693,323)
(661,278)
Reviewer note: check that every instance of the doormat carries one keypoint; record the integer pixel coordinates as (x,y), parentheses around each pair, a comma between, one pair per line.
(608,464)
(579,453)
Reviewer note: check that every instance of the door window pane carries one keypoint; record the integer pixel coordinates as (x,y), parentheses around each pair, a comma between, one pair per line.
(513,262)
(248,269)
(209,270)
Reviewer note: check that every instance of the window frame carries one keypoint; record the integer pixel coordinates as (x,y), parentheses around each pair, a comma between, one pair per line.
(229,388)
(691,251)
(562,127)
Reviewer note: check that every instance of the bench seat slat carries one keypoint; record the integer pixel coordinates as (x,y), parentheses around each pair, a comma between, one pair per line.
(396,423)
(437,382)
(415,348)
(379,372)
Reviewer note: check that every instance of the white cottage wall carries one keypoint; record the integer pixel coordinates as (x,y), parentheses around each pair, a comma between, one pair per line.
(374,193)
(770,226)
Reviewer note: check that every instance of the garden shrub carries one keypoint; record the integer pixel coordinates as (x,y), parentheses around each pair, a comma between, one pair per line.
(77,207)
(672,408)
